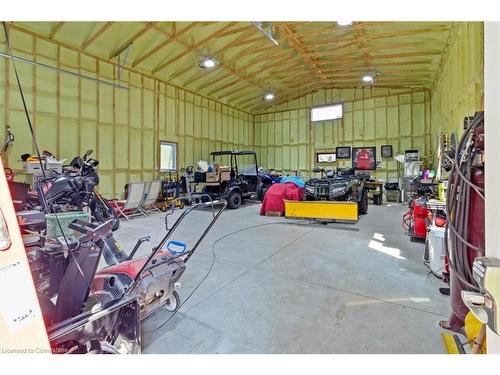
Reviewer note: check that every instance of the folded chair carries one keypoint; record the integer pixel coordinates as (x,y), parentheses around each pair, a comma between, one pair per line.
(132,205)
(151,197)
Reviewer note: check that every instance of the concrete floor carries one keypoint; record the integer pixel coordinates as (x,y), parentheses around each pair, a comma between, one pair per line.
(298,287)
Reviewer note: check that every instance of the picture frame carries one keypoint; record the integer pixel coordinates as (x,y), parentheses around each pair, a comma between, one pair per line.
(364,158)
(411,155)
(324,157)
(343,152)
(386,151)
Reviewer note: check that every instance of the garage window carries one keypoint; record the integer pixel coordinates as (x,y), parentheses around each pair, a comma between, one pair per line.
(328,112)
(168,156)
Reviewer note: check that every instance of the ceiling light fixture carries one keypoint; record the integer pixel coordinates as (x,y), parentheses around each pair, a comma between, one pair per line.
(268,96)
(344,23)
(207,63)
(369,78)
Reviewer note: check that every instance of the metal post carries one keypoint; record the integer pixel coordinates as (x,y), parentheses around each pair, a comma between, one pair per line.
(46,66)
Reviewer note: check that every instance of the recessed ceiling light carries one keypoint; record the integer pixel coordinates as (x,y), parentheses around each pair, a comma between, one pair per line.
(344,23)
(368,78)
(269,96)
(207,63)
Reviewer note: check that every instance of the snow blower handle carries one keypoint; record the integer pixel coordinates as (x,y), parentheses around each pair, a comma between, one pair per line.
(176,247)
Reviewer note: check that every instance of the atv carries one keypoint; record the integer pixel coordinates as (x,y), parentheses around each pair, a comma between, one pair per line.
(341,185)
(267,179)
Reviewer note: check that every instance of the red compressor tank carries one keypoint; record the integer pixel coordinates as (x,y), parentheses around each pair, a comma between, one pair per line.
(475,237)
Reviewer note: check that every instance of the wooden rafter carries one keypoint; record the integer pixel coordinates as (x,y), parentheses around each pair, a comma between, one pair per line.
(263,57)
(283,85)
(96,35)
(237,87)
(229,62)
(361,40)
(267,79)
(396,34)
(308,57)
(242,68)
(380,80)
(362,64)
(221,77)
(56,29)
(191,48)
(292,95)
(269,69)
(299,47)
(385,46)
(200,73)
(237,30)
(221,64)
(131,40)
(361,71)
(219,88)
(235,98)
(349,59)
(163,44)
(338,29)
(218,78)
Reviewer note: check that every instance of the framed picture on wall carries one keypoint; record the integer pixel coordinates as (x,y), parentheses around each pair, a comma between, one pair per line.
(325,157)
(364,158)
(386,151)
(343,152)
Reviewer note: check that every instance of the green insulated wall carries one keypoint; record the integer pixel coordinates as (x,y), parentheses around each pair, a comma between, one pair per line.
(287,140)
(123,127)
(458,88)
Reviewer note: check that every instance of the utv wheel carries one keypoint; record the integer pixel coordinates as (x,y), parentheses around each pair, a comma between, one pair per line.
(234,200)
(363,203)
(173,302)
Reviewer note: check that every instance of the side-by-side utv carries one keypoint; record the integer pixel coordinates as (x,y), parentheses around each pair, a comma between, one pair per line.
(235,178)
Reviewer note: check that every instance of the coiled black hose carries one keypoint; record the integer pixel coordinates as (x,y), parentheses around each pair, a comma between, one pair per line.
(458,207)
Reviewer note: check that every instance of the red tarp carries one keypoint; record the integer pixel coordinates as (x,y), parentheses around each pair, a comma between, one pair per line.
(277,193)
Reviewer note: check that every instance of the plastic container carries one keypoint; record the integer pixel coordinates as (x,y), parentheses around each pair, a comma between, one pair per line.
(435,242)
(65,218)
(33,167)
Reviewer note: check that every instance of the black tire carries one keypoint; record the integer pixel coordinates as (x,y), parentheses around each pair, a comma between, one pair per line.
(262,192)
(173,303)
(363,203)
(103,213)
(234,200)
